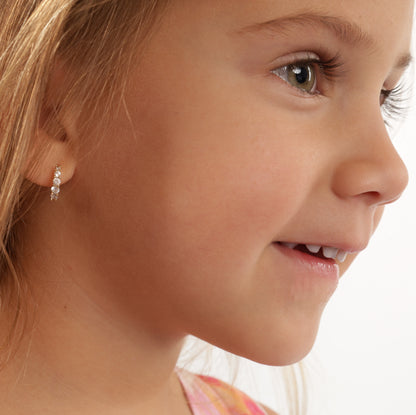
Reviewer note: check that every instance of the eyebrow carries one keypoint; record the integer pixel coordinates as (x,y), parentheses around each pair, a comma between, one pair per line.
(347,32)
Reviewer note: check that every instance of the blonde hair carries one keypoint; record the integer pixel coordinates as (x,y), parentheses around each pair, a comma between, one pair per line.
(96,40)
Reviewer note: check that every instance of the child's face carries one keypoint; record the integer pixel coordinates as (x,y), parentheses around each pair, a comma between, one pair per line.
(227,150)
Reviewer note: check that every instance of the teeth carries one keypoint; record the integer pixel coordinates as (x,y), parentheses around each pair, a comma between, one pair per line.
(313,248)
(330,252)
(342,255)
(289,245)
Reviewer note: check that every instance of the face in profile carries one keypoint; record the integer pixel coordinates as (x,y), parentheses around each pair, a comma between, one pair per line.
(250,166)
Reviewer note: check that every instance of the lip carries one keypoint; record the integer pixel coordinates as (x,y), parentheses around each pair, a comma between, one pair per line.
(308,268)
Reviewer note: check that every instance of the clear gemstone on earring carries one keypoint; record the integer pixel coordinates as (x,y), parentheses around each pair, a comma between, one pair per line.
(56,183)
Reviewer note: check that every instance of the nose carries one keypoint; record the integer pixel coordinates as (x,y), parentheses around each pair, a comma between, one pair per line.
(370,168)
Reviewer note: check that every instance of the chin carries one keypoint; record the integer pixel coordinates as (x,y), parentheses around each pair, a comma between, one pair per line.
(285,348)
(284,355)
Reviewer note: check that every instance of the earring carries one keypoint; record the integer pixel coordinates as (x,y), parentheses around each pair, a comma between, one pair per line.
(56,183)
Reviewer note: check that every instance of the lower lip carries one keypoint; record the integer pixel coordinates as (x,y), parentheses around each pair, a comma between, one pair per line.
(310,266)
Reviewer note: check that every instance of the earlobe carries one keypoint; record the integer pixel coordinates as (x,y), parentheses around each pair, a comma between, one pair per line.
(48,152)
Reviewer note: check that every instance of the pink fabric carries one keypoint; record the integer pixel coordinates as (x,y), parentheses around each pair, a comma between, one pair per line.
(211,396)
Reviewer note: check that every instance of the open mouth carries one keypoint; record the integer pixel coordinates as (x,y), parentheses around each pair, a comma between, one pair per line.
(322,252)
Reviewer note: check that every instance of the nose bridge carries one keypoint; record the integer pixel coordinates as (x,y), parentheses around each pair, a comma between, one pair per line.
(370,167)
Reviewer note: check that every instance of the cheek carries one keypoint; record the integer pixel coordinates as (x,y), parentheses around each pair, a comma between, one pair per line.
(221,208)
(215,180)
(224,196)
(204,187)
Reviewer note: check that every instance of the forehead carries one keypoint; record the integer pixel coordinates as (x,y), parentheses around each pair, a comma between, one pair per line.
(386,22)
(369,13)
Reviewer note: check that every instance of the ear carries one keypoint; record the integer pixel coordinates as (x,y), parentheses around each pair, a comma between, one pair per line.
(54,138)
(41,164)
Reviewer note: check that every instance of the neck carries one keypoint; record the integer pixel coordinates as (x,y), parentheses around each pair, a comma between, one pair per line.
(83,355)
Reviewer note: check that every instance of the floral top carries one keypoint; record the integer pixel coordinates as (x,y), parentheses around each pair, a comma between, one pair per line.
(210,396)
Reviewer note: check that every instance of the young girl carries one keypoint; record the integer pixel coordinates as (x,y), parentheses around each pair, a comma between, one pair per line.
(183,167)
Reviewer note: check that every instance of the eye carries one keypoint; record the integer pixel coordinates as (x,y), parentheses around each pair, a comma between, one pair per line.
(301,75)
(306,70)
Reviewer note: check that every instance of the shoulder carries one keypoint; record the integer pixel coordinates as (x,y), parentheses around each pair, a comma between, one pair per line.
(235,400)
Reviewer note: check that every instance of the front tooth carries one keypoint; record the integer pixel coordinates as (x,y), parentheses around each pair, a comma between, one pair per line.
(289,245)
(330,252)
(342,256)
(314,248)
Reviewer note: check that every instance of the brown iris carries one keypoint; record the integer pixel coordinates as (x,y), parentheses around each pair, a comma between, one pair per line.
(302,76)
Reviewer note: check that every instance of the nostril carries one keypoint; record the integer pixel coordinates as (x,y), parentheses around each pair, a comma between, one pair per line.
(373,197)
(356,178)
(375,181)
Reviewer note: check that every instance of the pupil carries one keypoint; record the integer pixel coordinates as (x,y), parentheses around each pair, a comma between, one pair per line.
(302,74)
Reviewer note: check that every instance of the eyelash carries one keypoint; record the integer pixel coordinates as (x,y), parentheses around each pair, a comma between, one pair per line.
(393,100)
(395,103)
(330,68)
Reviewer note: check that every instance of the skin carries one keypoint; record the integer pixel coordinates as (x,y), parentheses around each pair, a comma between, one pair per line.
(172,217)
